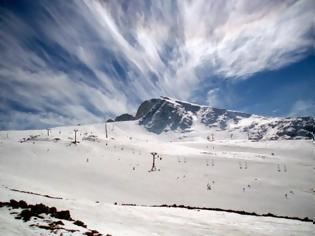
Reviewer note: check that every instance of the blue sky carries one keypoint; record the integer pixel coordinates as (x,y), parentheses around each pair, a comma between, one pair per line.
(69,62)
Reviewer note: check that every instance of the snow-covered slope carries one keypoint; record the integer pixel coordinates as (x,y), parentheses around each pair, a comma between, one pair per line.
(88,177)
(166,114)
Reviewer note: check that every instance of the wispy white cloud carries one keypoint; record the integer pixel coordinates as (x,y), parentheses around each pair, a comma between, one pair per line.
(104,57)
(213,97)
(303,108)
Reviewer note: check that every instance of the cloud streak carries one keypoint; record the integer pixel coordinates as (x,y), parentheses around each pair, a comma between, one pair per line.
(83,60)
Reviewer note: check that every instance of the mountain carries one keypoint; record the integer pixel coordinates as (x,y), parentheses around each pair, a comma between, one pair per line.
(124,117)
(164,114)
(62,182)
(110,176)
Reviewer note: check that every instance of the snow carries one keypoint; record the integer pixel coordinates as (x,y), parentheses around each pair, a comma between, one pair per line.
(243,175)
(143,221)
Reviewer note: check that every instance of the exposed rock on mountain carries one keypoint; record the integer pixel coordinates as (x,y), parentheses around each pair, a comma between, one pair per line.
(124,117)
(165,114)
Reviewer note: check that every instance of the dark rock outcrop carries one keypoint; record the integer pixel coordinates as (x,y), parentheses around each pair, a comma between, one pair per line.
(40,212)
(216,117)
(26,215)
(79,223)
(14,204)
(165,115)
(124,117)
(63,215)
(39,209)
(145,107)
(23,204)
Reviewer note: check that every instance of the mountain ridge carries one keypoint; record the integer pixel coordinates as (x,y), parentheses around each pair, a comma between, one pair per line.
(164,114)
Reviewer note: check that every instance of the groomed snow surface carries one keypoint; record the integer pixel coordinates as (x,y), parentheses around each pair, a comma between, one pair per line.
(264,177)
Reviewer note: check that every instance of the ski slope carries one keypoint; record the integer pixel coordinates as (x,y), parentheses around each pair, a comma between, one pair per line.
(275,177)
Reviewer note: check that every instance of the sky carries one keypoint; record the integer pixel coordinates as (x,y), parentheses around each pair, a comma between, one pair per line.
(69,62)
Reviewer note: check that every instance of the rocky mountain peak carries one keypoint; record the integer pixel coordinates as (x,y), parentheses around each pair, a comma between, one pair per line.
(165,114)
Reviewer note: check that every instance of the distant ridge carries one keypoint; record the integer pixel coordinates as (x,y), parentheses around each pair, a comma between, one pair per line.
(165,114)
